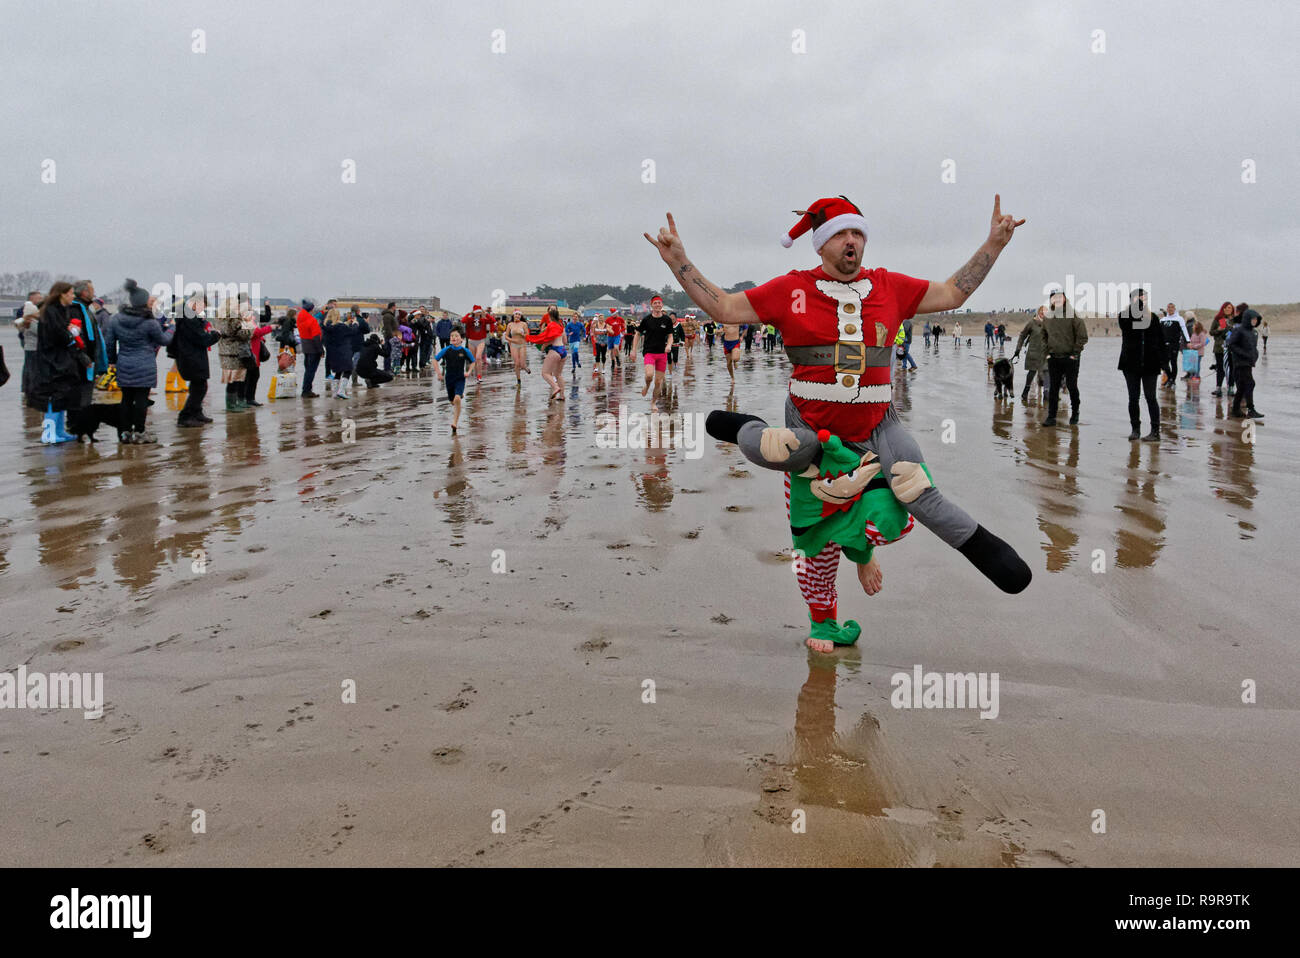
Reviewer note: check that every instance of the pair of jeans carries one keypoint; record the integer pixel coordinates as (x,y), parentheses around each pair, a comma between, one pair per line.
(1057,367)
(309,365)
(907,356)
(135,403)
(193,407)
(1219,370)
(1147,383)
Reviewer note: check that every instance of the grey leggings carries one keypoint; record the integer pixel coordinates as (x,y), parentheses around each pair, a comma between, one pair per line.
(891,442)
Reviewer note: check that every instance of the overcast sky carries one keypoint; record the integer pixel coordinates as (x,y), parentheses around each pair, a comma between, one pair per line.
(478,170)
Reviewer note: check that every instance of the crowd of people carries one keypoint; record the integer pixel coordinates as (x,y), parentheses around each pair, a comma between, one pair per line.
(73,347)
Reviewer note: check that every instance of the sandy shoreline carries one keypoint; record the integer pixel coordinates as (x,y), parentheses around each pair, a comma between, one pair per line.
(522,691)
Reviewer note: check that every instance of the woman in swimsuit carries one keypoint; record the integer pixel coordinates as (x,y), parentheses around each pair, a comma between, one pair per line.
(600,343)
(517,339)
(550,340)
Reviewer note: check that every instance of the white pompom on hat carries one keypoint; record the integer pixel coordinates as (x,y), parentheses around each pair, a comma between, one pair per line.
(825,218)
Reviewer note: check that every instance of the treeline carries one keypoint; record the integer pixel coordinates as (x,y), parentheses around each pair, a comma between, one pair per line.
(22,283)
(580,294)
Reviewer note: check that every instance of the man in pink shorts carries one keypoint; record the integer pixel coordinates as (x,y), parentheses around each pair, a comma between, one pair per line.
(655,336)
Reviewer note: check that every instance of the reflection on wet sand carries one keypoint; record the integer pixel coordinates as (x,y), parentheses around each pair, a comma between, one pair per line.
(1057,482)
(1139,539)
(1231,463)
(831,770)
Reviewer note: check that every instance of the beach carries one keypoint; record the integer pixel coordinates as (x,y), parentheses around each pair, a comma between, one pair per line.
(499,601)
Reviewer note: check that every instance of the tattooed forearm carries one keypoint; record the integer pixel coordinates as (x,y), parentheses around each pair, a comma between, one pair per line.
(685,268)
(707,289)
(968,278)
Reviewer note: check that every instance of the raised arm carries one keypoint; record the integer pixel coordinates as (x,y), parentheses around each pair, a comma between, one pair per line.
(958,288)
(727,308)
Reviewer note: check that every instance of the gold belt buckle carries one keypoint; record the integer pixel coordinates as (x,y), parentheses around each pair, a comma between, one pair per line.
(842,363)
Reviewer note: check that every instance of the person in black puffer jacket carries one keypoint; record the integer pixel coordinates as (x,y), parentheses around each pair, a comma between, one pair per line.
(1141,357)
(190,342)
(1243,347)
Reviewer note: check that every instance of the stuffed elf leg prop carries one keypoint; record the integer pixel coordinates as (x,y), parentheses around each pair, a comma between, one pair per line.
(838,503)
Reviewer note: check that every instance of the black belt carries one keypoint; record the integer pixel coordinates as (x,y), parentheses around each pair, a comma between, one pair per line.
(845,356)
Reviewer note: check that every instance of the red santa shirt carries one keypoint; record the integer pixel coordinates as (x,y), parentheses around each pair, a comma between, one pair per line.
(617,325)
(476,327)
(812,309)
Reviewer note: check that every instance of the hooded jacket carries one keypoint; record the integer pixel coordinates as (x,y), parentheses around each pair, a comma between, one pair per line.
(1243,341)
(309,334)
(132,339)
(1033,339)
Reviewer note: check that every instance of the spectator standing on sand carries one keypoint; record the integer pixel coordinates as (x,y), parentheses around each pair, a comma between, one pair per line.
(443,329)
(1033,339)
(1196,341)
(1066,337)
(1220,326)
(1244,349)
(1175,335)
(26,325)
(1141,357)
(309,335)
(956,334)
(190,342)
(131,342)
(988,335)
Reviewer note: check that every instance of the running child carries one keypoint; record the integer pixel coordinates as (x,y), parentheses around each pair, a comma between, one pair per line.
(456,358)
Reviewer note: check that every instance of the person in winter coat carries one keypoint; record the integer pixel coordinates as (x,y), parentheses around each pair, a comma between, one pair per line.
(190,341)
(309,333)
(89,332)
(1141,358)
(358,329)
(60,363)
(443,329)
(131,340)
(1066,337)
(235,323)
(1243,346)
(337,337)
(1033,340)
(253,361)
(368,362)
(1175,335)
(1220,326)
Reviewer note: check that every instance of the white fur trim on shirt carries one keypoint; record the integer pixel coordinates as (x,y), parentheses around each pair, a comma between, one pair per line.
(834,392)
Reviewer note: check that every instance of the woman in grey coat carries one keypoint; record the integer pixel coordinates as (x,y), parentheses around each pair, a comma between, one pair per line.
(1033,339)
(132,339)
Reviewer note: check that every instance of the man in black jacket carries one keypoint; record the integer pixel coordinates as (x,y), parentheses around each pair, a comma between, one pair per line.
(1141,357)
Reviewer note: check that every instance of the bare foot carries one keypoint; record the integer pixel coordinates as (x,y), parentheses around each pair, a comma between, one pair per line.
(871,577)
(820,645)
(645,389)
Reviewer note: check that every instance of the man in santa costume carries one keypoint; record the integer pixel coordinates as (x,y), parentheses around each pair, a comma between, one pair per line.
(838,324)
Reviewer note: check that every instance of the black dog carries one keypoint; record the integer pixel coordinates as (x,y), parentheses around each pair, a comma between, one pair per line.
(1003,379)
(84,421)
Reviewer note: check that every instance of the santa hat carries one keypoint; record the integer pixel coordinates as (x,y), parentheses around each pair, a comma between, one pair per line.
(825,218)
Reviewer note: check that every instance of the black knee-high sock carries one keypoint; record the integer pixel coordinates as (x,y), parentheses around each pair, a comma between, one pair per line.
(997,560)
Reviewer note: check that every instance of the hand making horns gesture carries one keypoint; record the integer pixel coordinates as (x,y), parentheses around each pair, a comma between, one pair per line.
(669,244)
(1003,225)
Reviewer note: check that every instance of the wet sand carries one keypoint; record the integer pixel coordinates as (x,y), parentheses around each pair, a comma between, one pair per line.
(521,691)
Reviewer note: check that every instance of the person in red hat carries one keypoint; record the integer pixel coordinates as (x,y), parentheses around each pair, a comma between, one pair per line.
(477,327)
(837,323)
